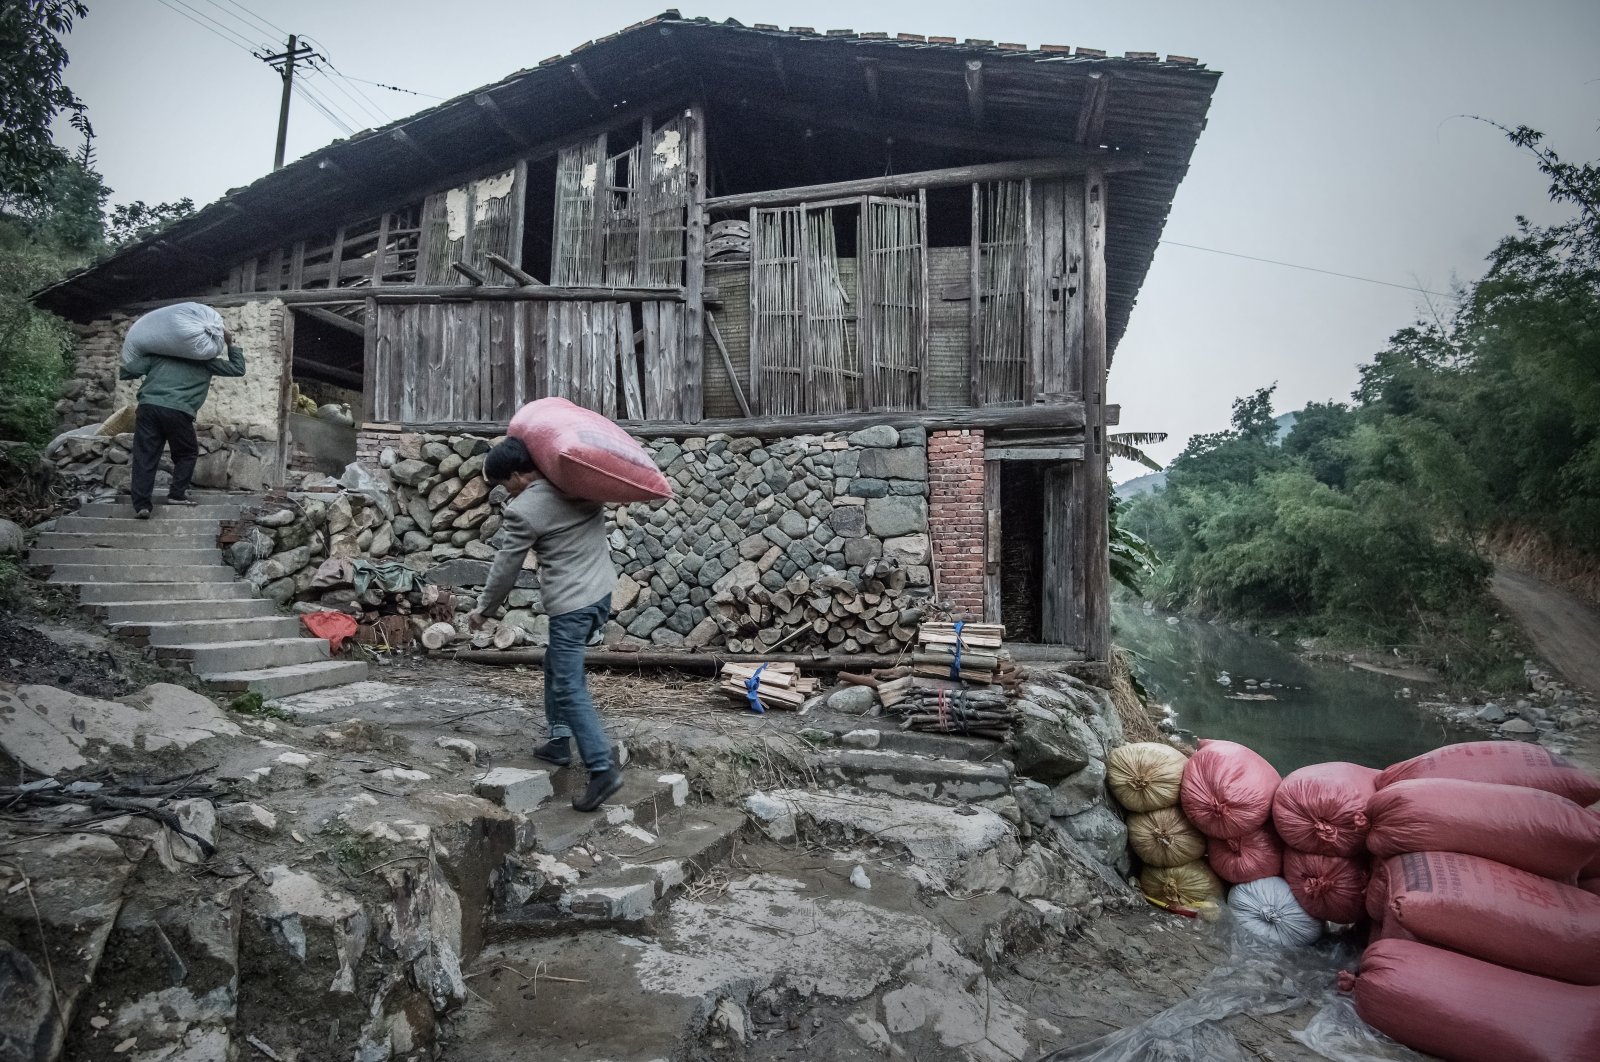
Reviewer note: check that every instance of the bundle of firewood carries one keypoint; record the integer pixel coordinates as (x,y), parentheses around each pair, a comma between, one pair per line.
(830,612)
(945,707)
(778,685)
(972,653)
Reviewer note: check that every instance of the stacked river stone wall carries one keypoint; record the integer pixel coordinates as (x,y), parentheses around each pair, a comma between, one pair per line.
(785,544)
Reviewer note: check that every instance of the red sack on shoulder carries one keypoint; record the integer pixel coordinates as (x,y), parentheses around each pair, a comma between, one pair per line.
(585,455)
(1323,808)
(1227,789)
(1496,913)
(1525,828)
(1468,1010)
(1333,888)
(1256,855)
(1502,762)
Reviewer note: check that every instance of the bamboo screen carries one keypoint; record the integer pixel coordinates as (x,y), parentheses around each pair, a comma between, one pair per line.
(620,217)
(894,301)
(777,322)
(831,353)
(666,201)
(999,274)
(579,256)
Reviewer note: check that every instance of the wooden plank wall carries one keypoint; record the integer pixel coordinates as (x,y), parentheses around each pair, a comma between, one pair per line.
(732,281)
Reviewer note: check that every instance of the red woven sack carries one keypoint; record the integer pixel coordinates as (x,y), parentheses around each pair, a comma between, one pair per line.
(585,455)
(1227,789)
(1496,913)
(1323,808)
(1333,888)
(1525,828)
(1502,762)
(1590,885)
(1378,889)
(1468,1010)
(1389,930)
(1258,854)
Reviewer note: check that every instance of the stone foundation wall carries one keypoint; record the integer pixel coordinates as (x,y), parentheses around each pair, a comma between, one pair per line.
(957,519)
(806,542)
(242,414)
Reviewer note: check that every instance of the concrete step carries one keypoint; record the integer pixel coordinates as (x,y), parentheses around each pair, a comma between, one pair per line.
(167,557)
(646,795)
(284,681)
(118,612)
(251,655)
(163,538)
(161,511)
(189,632)
(150,573)
(95,593)
(914,777)
(110,525)
(621,875)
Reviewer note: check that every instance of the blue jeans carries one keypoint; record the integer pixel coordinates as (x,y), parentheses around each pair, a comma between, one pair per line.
(567,707)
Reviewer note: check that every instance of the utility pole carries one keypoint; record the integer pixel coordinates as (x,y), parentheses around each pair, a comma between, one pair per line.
(283,63)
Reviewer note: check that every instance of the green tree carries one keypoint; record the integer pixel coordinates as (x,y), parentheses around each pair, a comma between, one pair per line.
(134,221)
(33,59)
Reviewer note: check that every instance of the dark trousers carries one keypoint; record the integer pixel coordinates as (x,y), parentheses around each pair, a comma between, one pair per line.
(156,427)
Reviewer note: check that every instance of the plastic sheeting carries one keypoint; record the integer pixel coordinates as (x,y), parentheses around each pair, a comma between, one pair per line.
(1256,979)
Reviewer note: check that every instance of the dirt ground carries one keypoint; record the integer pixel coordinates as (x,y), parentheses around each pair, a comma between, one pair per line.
(1563,629)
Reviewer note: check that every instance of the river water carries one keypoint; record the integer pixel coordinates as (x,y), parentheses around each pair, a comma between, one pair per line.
(1317,712)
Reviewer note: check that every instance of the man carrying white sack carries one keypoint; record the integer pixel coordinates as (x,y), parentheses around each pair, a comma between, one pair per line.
(575,579)
(175,387)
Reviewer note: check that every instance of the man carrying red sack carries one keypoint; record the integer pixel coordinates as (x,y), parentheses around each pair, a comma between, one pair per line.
(576,577)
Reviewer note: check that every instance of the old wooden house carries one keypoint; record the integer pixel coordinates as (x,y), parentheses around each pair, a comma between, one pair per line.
(702,227)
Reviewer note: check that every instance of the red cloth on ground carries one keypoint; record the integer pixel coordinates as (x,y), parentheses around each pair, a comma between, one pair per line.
(334,626)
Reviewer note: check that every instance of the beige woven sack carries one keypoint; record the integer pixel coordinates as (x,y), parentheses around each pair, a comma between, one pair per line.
(1189,886)
(1146,775)
(1164,838)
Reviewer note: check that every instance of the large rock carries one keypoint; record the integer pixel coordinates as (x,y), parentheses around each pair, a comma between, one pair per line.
(473,573)
(907,549)
(1101,832)
(896,515)
(879,435)
(51,730)
(901,463)
(320,928)
(1050,746)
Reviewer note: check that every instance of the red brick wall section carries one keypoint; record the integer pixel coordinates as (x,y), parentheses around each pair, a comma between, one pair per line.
(956,519)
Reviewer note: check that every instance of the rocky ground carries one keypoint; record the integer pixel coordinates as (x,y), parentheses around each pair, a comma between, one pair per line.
(381,871)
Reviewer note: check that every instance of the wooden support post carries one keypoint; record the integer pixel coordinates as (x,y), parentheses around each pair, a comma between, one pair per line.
(381,254)
(727,363)
(1094,545)
(328,317)
(475,278)
(991,542)
(694,267)
(516,273)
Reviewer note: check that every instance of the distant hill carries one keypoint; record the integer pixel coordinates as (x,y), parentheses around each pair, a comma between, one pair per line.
(1151,482)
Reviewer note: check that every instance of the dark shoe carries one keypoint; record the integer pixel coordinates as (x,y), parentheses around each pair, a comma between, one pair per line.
(180,501)
(141,514)
(601,787)
(556,751)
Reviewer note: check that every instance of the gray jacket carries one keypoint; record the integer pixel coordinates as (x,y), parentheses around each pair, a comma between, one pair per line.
(569,537)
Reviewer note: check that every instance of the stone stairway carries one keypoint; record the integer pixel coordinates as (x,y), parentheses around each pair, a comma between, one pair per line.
(162,583)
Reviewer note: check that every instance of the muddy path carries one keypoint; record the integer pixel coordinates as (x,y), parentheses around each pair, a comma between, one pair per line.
(1563,629)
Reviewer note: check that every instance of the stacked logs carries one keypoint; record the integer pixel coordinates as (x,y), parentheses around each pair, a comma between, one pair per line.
(396,620)
(944,707)
(970,653)
(778,685)
(830,612)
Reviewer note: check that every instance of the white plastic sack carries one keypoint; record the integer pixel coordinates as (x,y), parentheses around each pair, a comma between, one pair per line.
(187,330)
(1267,908)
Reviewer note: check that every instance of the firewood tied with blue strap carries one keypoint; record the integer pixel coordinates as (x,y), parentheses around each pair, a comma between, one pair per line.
(752,690)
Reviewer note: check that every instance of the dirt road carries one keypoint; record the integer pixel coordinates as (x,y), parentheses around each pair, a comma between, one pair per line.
(1563,629)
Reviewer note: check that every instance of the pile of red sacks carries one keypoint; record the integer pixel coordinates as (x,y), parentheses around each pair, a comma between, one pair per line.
(1477,864)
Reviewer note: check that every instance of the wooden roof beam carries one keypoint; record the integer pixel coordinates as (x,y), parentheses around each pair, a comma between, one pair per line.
(407,141)
(975,91)
(582,77)
(947,136)
(1092,115)
(869,76)
(498,116)
(336,320)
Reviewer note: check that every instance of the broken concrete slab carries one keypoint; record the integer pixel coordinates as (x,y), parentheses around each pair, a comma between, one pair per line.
(51,730)
(514,788)
(915,777)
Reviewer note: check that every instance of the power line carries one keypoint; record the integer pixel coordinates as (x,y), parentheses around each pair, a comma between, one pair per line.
(251,30)
(305,94)
(1313,269)
(206,24)
(393,88)
(272,28)
(366,102)
(320,65)
(350,115)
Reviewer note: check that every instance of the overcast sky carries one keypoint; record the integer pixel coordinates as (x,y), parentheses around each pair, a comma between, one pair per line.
(1334,142)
